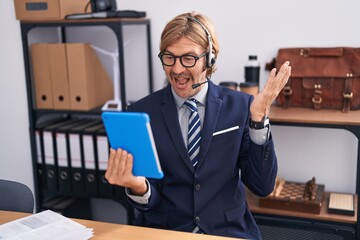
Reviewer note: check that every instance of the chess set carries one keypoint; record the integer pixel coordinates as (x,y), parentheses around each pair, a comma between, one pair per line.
(301,197)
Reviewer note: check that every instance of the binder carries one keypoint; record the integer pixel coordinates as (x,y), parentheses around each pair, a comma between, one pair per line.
(40,165)
(90,85)
(102,148)
(77,156)
(50,154)
(42,77)
(91,166)
(59,76)
(63,157)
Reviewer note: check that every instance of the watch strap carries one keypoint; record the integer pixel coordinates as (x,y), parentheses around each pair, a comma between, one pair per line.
(265,122)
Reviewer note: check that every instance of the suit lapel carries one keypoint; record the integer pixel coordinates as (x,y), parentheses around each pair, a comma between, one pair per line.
(213,106)
(170,116)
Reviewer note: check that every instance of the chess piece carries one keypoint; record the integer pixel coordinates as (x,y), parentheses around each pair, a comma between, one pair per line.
(310,189)
(279,187)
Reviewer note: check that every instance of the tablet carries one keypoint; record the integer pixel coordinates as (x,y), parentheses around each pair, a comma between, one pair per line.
(131,131)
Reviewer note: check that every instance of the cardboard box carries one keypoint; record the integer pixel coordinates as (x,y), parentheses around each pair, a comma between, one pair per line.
(69,77)
(49,9)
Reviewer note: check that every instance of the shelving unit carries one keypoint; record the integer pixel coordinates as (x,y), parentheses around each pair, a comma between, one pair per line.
(117,26)
(319,226)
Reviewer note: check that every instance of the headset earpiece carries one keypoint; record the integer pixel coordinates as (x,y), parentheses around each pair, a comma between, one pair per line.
(210,57)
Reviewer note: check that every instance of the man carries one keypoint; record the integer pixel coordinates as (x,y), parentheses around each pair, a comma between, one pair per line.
(202,190)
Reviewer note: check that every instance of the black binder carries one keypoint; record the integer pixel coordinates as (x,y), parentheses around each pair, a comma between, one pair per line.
(50,154)
(102,155)
(63,157)
(90,165)
(40,166)
(77,156)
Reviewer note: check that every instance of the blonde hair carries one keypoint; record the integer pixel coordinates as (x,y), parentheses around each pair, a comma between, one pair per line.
(183,26)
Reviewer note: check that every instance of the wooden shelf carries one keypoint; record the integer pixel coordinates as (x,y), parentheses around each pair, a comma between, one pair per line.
(253,202)
(308,115)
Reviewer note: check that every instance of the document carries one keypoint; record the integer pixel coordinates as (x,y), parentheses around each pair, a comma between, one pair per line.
(45,225)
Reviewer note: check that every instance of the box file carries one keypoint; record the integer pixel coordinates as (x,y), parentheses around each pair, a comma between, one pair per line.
(59,77)
(63,157)
(90,85)
(42,77)
(50,154)
(69,76)
(91,166)
(40,165)
(102,148)
(77,156)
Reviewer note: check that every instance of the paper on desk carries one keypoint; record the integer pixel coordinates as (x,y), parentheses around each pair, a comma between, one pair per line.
(45,226)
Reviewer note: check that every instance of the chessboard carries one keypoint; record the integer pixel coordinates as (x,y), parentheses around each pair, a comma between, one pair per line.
(291,197)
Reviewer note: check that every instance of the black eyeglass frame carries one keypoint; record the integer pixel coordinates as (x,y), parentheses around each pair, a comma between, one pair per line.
(161,54)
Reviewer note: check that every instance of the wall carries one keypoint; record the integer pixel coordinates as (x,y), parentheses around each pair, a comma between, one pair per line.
(244,27)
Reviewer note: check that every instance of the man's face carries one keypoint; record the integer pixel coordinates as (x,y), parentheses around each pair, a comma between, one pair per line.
(180,77)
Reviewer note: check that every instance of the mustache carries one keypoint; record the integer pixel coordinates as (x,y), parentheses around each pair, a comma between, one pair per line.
(180,75)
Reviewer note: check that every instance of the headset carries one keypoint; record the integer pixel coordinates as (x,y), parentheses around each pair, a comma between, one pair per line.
(210,57)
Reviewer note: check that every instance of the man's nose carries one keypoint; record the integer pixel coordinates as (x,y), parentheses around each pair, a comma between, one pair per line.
(178,67)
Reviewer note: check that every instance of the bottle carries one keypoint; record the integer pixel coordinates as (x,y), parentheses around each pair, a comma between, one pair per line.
(252,70)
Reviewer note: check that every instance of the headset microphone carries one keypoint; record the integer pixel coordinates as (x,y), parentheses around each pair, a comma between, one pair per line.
(196,85)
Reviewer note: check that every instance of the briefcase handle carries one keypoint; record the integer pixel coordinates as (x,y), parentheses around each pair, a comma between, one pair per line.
(321,52)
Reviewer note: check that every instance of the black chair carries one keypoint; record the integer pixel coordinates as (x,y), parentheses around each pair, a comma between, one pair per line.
(15,196)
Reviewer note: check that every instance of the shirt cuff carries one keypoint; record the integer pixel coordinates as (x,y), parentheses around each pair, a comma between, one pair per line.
(144,199)
(259,136)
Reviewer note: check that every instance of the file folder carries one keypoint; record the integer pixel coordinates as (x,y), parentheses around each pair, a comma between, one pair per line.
(50,154)
(63,157)
(42,78)
(90,84)
(59,76)
(40,162)
(102,148)
(77,156)
(91,166)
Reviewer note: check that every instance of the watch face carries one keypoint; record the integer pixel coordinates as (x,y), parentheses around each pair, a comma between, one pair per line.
(259,125)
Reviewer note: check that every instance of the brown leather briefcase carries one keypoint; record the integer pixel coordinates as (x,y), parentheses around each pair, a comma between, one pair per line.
(326,78)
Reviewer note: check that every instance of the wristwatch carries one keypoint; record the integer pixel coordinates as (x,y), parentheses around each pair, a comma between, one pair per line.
(265,122)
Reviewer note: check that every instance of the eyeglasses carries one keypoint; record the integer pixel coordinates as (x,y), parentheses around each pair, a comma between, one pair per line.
(187,60)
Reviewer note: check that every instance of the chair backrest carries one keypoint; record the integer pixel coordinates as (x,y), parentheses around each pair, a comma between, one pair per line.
(15,196)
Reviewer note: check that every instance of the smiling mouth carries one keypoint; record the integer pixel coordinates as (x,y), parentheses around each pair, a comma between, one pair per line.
(181,81)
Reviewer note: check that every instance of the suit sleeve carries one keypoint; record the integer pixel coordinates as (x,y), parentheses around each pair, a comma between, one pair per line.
(258,164)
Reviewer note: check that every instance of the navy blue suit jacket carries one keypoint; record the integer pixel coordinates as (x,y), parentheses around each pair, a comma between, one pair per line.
(212,196)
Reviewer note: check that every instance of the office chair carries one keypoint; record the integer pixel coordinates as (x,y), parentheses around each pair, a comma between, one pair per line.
(15,196)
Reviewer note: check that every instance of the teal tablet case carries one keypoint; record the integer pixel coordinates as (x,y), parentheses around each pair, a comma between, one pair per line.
(132,131)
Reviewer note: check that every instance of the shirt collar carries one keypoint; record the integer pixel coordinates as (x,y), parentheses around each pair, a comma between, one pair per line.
(200,97)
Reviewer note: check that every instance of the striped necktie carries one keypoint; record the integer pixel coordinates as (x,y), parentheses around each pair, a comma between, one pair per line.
(194,133)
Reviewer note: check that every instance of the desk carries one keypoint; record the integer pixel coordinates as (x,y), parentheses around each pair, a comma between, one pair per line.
(108,231)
